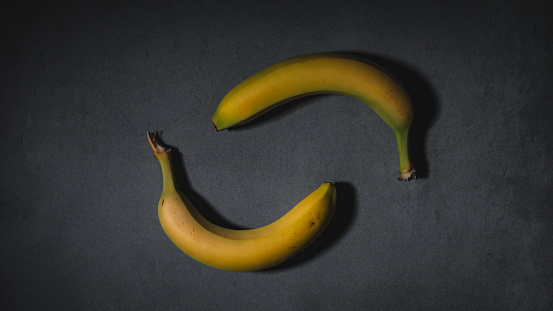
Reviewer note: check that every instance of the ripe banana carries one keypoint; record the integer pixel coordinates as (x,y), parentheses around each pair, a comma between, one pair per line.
(322,73)
(239,250)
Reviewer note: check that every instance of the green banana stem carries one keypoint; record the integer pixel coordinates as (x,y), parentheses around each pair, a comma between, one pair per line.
(405,165)
(163,154)
(167,171)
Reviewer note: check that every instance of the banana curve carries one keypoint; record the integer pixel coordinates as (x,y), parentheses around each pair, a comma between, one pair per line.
(322,73)
(239,250)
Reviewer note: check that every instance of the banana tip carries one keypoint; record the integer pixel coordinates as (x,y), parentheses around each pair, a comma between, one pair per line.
(216,128)
(155,144)
(407,174)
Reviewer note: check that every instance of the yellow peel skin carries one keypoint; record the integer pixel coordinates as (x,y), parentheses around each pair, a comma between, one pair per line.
(322,73)
(239,250)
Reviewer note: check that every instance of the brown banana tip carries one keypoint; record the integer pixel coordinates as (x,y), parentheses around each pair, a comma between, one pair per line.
(155,144)
(408,174)
(215,126)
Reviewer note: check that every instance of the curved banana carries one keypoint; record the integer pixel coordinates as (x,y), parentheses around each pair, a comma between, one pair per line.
(239,250)
(322,73)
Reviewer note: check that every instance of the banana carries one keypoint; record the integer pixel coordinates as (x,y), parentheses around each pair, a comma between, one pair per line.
(239,250)
(322,73)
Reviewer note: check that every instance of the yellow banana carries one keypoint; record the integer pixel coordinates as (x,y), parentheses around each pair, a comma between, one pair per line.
(322,73)
(239,250)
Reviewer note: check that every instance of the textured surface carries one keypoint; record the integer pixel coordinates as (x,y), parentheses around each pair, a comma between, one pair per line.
(82,82)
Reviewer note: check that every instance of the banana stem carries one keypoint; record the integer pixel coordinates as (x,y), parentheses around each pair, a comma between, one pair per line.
(405,165)
(167,172)
(163,155)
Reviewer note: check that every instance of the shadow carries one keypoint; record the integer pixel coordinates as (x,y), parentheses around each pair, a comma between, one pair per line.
(425,106)
(344,213)
(182,182)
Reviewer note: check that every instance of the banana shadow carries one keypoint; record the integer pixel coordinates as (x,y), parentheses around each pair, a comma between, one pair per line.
(423,96)
(182,183)
(346,208)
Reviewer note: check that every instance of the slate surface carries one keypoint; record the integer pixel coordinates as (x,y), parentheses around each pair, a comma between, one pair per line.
(83,81)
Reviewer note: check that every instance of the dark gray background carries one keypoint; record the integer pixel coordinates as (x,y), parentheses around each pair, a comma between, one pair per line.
(81,83)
